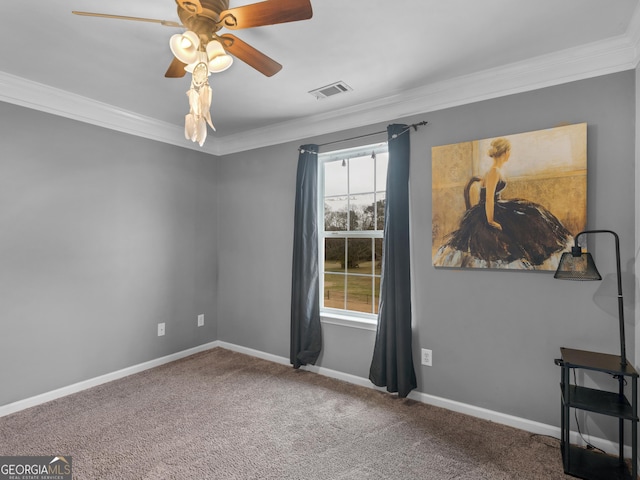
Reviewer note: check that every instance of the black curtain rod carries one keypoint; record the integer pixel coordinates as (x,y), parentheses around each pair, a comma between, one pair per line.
(414,125)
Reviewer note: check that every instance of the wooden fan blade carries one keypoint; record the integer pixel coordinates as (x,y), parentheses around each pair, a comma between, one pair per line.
(166,23)
(191,6)
(249,55)
(176,69)
(269,12)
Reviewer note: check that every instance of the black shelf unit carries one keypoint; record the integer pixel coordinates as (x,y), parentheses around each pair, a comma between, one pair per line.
(591,464)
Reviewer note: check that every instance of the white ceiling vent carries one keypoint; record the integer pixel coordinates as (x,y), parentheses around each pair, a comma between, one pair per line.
(330,90)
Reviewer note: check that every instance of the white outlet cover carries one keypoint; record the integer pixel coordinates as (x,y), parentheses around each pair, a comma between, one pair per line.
(160,329)
(427,357)
(201,320)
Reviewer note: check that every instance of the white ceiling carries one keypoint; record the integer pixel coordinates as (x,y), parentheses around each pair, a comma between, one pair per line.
(400,57)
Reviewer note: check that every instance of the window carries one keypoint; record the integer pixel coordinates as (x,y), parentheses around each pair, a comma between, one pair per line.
(352,185)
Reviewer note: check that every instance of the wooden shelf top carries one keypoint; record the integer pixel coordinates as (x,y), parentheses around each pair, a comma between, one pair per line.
(603,362)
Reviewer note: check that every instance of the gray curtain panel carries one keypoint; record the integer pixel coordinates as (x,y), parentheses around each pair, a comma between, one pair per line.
(392,364)
(306,333)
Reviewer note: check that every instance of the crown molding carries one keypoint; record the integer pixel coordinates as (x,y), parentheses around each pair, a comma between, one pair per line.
(601,58)
(633,34)
(38,96)
(591,60)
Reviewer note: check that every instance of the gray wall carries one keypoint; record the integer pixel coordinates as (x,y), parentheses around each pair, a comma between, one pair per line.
(255,238)
(102,236)
(494,334)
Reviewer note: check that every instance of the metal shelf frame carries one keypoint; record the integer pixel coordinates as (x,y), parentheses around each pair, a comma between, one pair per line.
(590,464)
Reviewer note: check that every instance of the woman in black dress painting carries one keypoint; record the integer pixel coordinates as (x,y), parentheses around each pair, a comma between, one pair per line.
(496,233)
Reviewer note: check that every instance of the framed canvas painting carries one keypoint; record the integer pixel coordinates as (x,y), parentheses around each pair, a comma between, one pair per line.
(509,202)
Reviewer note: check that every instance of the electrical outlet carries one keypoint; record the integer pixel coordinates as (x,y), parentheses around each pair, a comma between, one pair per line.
(201,320)
(427,357)
(160,329)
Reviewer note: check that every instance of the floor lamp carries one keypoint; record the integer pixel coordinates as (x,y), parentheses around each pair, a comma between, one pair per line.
(579,265)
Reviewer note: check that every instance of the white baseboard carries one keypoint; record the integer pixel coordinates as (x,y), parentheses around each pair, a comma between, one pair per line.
(472,410)
(93,382)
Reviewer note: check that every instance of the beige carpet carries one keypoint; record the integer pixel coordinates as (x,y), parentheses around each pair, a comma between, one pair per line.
(224,415)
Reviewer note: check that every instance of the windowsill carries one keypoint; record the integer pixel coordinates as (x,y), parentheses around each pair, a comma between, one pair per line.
(349,321)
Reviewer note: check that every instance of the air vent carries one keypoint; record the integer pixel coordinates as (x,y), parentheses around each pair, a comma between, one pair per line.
(330,90)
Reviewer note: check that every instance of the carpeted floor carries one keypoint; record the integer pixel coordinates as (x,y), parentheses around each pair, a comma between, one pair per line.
(224,415)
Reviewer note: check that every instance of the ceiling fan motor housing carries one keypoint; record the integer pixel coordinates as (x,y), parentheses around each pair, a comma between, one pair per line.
(206,23)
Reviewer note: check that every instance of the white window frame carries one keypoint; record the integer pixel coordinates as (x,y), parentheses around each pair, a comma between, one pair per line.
(343,317)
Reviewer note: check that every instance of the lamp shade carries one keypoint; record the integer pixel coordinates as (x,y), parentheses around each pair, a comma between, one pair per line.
(184,46)
(581,267)
(219,60)
(220,63)
(214,48)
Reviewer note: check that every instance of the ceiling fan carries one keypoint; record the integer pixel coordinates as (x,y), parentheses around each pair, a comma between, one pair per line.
(201,51)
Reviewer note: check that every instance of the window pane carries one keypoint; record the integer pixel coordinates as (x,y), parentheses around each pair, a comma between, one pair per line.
(334,254)
(381,199)
(335,214)
(382,161)
(378,257)
(335,179)
(361,214)
(354,197)
(376,302)
(361,175)
(360,251)
(359,294)
(334,286)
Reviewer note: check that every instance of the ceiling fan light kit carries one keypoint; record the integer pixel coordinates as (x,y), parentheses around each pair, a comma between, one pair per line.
(201,51)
